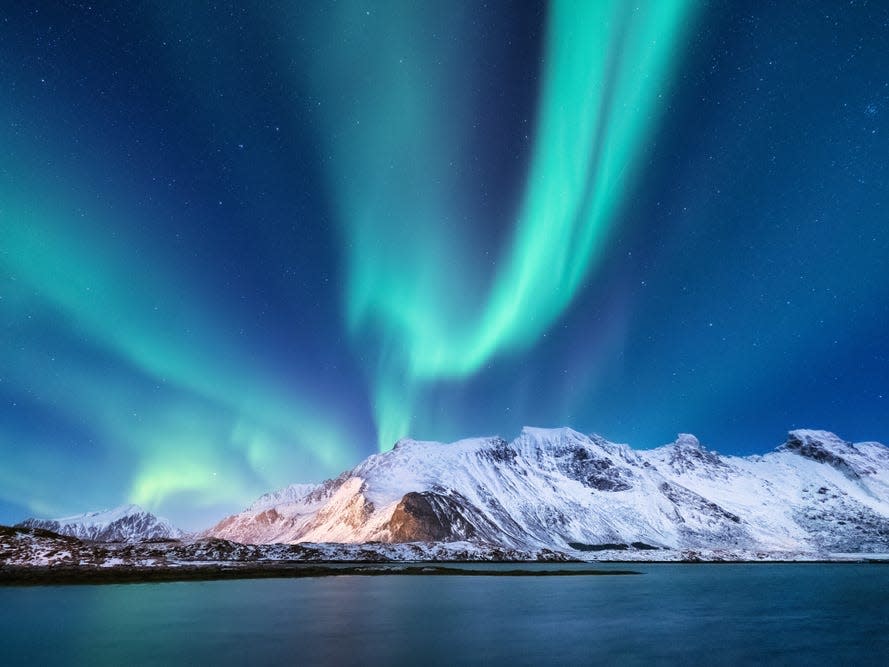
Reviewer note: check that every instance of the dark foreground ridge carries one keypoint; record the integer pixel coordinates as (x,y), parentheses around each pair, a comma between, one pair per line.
(38,576)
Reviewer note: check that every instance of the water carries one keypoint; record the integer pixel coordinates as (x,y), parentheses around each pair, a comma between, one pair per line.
(805,614)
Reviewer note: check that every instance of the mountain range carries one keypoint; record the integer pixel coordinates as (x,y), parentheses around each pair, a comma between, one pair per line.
(558,489)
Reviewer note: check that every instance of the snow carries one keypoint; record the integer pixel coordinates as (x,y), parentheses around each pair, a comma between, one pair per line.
(811,497)
(291,494)
(124,523)
(100,518)
(551,487)
(816,436)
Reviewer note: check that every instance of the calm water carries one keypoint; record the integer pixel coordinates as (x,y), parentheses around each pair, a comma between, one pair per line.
(694,614)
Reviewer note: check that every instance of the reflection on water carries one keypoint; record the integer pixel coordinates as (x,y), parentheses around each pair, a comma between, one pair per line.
(694,614)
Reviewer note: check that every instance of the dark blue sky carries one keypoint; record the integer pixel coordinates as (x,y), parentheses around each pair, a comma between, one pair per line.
(243,247)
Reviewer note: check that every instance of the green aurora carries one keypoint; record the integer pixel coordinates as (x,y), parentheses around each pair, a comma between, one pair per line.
(412,289)
(198,421)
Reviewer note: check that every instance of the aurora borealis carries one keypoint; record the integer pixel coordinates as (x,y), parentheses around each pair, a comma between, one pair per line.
(604,65)
(242,247)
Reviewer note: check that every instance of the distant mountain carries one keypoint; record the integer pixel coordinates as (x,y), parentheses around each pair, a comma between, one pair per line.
(127,523)
(559,489)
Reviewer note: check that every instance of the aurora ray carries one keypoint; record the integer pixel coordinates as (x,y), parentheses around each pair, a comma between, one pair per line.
(607,67)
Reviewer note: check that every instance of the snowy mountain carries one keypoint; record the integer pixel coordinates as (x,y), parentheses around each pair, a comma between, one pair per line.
(559,489)
(127,523)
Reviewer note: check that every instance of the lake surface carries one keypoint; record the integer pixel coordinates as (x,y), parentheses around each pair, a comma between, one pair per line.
(805,614)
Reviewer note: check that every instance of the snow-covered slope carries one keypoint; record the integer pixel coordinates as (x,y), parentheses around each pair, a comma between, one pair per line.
(560,489)
(127,523)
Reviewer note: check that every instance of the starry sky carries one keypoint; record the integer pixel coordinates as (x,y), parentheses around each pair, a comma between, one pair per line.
(246,246)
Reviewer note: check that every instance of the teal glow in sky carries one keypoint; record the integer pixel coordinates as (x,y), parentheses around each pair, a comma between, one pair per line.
(395,172)
(245,248)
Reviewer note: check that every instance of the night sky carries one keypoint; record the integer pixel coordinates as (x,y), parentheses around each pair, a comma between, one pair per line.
(246,247)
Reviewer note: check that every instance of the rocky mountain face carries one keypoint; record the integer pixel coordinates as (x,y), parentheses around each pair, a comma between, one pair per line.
(128,523)
(566,491)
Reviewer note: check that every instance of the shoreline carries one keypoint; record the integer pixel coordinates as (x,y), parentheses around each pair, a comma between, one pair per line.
(26,575)
(74,575)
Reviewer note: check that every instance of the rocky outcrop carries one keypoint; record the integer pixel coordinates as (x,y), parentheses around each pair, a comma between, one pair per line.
(823,447)
(427,517)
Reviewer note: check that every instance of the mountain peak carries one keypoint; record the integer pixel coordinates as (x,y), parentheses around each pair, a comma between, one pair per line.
(289,494)
(103,516)
(807,436)
(687,440)
(543,435)
(548,430)
(823,447)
